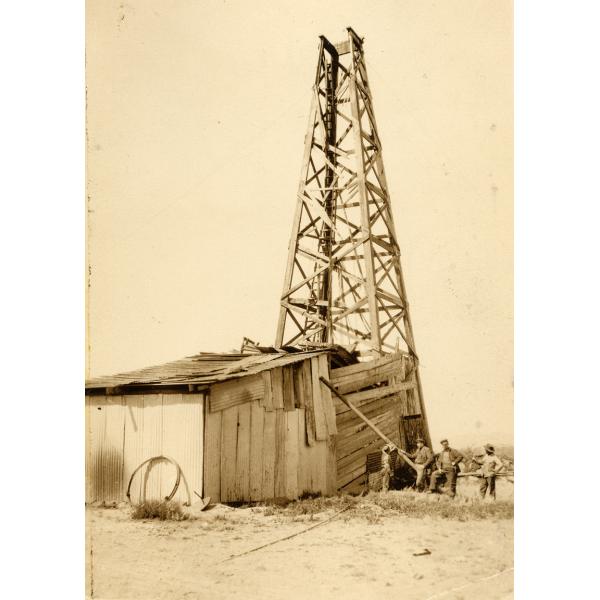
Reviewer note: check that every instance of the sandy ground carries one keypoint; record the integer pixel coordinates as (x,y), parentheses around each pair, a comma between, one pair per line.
(348,557)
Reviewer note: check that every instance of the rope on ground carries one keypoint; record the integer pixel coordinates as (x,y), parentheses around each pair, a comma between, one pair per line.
(461,587)
(289,537)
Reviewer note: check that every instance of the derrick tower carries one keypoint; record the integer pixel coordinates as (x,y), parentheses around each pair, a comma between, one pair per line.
(343,281)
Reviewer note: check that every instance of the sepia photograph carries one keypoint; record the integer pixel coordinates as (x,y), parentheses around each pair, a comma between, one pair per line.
(299,300)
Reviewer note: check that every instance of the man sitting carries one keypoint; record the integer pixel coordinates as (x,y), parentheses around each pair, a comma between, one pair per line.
(446,463)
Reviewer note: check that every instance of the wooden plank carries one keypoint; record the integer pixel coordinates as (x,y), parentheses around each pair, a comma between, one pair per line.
(304,484)
(236,391)
(229,422)
(242,463)
(342,372)
(133,449)
(309,414)
(152,446)
(328,407)
(113,447)
(362,380)
(268,395)
(331,467)
(291,455)
(357,398)
(318,408)
(280,435)
(370,409)
(256,451)
(288,389)
(298,373)
(268,474)
(212,456)
(277,387)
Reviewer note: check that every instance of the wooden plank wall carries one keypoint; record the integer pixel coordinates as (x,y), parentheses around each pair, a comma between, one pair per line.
(276,444)
(385,390)
(124,431)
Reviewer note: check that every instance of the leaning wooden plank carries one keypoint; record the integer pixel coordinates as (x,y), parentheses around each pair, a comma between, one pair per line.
(318,408)
(288,389)
(280,434)
(328,407)
(309,415)
(370,409)
(256,450)
(236,391)
(242,464)
(229,426)
(291,455)
(212,456)
(268,394)
(277,387)
(268,473)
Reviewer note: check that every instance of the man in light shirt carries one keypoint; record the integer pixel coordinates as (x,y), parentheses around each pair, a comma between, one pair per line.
(490,467)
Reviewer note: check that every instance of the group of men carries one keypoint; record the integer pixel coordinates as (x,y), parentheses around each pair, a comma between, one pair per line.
(443,467)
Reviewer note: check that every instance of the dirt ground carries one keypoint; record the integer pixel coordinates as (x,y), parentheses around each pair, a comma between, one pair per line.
(363,553)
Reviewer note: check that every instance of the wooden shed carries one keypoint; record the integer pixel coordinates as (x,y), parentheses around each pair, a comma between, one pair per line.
(244,427)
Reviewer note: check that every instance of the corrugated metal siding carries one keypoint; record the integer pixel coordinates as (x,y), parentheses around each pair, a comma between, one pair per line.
(124,431)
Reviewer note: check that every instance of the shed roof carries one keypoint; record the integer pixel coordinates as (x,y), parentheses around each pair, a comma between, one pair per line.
(203,369)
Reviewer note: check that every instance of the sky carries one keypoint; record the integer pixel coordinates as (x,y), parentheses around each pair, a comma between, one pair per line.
(196,114)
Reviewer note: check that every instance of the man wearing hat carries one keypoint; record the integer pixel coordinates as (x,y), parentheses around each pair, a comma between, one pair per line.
(422,457)
(446,468)
(490,466)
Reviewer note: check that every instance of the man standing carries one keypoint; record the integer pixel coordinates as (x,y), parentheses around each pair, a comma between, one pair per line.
(490,466)
(421,458)
(446,468)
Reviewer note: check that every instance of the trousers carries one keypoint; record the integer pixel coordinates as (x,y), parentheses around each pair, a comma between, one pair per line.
(420,476)
(449,475)
(488,482)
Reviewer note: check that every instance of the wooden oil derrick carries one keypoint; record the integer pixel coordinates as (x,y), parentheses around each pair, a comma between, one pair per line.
(343,281)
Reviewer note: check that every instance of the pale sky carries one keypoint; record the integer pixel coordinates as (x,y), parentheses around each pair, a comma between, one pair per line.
(196,118)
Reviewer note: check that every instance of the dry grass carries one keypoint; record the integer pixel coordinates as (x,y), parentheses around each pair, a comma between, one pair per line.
(376,506)
(164,511)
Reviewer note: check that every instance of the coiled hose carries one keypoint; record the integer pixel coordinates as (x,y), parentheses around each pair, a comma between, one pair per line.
(151,460)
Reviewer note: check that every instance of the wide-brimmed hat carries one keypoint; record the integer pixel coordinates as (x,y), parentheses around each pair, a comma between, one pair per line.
(419,439)
(444,442)
(489,448)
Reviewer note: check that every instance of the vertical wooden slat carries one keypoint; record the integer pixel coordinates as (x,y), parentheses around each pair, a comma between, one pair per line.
(277,387)
(309,414)
(328,405)
(183,417)
(242,468)
(288,389)
(280,434)
(304,484)
(98,427)
(229,425)
(319,410)
(152,446)
(256,450)
(291,455)
(331,467)
(268,474)
(212,455)
(133,448)
(88,451)
(112,450)
(268,394)
(298,373)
